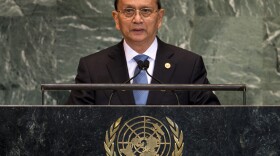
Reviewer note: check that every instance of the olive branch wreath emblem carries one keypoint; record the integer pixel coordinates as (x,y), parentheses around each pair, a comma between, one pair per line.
(111,136)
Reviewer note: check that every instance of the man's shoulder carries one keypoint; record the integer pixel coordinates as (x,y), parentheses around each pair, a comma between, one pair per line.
(104,53)
(181,52)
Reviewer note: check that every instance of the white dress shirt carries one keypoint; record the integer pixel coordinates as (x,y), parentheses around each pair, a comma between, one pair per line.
(132,64)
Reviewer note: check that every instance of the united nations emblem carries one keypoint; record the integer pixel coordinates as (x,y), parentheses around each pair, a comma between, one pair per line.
(144,136)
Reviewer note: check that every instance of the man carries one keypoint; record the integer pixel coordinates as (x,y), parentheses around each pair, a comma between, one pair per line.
(139,21)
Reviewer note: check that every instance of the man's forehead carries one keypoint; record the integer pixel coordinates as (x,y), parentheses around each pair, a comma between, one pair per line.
(137,3)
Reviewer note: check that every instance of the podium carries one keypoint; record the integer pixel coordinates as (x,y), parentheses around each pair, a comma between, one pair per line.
(87,130)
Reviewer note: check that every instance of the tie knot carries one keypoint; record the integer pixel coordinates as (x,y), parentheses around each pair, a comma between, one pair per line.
(141,57)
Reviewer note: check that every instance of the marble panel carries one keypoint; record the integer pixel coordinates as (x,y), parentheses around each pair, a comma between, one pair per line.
(271,48)
(237,8)
(271,93)
(252,8)
(10,8)
(271,8)
(41,41)
(178,23)
(27,59)
(85,8)
(217,8)
(28,7)
(231,48)
(80,37)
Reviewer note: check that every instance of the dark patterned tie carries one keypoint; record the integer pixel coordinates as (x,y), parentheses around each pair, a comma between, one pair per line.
(140,96)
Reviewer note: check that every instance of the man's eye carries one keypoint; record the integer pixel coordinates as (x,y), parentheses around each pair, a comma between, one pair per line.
(146,10)
(129,10)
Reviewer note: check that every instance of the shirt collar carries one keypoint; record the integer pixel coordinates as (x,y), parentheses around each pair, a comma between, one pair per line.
(151,51)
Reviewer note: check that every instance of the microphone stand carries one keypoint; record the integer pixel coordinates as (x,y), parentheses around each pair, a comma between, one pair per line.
(140,65)
(143,66)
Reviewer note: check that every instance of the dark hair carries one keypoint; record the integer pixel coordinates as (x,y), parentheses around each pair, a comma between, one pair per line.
(116,4)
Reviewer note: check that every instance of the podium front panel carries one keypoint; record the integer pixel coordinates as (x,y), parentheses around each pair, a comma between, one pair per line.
(123,130)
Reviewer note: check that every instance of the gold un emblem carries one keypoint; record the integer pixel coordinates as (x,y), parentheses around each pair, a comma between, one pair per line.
(144,136)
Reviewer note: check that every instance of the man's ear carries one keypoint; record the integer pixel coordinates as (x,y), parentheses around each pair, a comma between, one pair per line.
(116,19)
(161,13)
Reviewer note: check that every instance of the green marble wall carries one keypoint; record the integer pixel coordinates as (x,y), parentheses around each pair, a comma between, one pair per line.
(41,41)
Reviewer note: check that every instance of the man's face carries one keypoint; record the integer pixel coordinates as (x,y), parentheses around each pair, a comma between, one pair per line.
(137,28)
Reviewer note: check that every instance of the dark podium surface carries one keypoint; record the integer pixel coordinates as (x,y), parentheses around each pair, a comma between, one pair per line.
(81,130)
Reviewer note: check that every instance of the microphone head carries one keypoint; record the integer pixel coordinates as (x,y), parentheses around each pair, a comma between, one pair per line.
(146,64)
(140,64)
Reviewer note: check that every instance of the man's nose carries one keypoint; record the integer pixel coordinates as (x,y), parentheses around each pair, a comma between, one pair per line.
(138,17)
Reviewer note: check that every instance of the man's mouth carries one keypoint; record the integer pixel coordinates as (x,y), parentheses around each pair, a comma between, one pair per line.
(137,30)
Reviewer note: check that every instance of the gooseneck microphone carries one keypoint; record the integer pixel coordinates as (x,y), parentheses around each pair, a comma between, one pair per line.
(143,66)
(146,65)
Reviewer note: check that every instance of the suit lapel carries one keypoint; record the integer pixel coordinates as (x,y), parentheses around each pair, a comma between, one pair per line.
(163,71)
(118,71)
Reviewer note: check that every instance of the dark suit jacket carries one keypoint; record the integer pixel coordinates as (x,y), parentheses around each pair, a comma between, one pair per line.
(109,66)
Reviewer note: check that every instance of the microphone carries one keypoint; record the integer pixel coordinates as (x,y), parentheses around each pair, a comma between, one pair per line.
(144,66)
(141,66)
